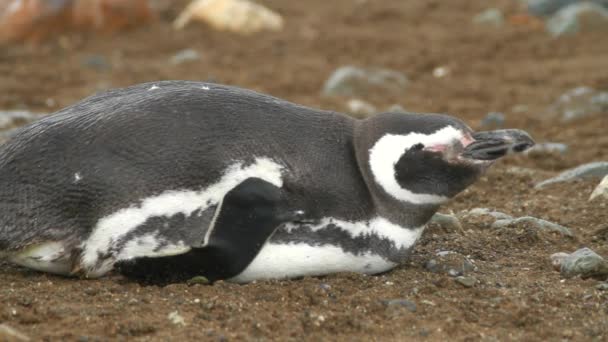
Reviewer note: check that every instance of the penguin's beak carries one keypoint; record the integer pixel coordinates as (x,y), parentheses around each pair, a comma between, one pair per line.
(491,145)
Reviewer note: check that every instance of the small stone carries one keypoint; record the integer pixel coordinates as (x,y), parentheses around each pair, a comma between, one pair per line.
(602,286)
(578,17)
(468,266)
(441,72)
(360,108)
(16,118)
(586,263)
(184,56)
(176,318)
(448,222)
(466,281)
(580,102)
(557,259)
(542,149)
(238,16)
(397,108)
(521,171)
(596,169)
(198,280)
(491,16)
(325,287)
(432,266)
(454,272)
(544,8)
(601,191)
(535,223)
(493,120)
(401,303)
(353,81)
(8,333)
(485,211)
(96,62)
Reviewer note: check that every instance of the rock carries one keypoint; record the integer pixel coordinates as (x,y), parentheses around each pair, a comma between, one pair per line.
(586,263)
(491,16)
(485,211)
(448,222)
(198,280)
(578,17)
(535,223)
(493,120)
(96,62)
(544,8)
(397,108)
(360,108)
(183,56)
(557,259)
(580,102)
(15,118)
(602,286)
(401,303)
(353,81)
(451,263)
(596,169)
(238,16)
(601,191)
(466,281)
(8,333)
(545,148)
(176,318)
(441,71)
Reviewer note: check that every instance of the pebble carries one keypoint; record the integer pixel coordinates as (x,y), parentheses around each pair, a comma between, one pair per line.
(15,118)
(557,259)
(548,7)
(601,191)
(487,212)
(397,108)
(493,120)
(238,16)
(184,56)
(466,281)
(491,16)
(354,81)
(360,108)
(602,286)
(401,303)
(96,62)
(534,222)
(176,318)
(8,333)
(580,102)
(448,222)
(584,262)
(546,148)
(451,263)
(578,17)
(198,280)
(595,169)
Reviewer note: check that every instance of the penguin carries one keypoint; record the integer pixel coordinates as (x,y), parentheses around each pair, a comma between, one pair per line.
(174,179)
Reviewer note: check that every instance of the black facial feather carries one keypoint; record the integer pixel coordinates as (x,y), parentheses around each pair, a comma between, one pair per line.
(427,172)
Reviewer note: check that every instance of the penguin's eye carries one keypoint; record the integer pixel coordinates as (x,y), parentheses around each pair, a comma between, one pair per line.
(417,147)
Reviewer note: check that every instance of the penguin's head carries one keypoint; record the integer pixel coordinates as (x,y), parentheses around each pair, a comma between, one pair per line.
(430,158)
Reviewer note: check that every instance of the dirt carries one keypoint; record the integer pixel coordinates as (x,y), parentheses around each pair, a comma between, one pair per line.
(518,295)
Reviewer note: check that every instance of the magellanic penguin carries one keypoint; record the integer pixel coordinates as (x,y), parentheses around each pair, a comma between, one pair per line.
(176,179)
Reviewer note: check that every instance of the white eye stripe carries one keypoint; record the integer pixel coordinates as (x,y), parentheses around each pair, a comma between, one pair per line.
(387,151)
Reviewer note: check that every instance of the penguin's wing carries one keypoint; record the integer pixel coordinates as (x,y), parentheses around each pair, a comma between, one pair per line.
(243,221)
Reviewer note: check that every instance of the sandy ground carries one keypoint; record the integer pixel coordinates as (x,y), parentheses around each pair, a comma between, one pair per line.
(518,295)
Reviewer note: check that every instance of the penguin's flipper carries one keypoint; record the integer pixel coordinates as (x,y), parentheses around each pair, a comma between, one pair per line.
(244,220)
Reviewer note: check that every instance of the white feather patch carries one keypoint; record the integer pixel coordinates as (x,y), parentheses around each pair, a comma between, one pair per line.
(112,228)
(279,261)
(387,151)
(276,261)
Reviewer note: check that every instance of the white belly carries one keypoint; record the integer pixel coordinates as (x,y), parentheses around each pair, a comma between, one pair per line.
(276,261)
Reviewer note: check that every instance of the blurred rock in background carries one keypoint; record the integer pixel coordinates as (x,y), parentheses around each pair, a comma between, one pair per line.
(35,20)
